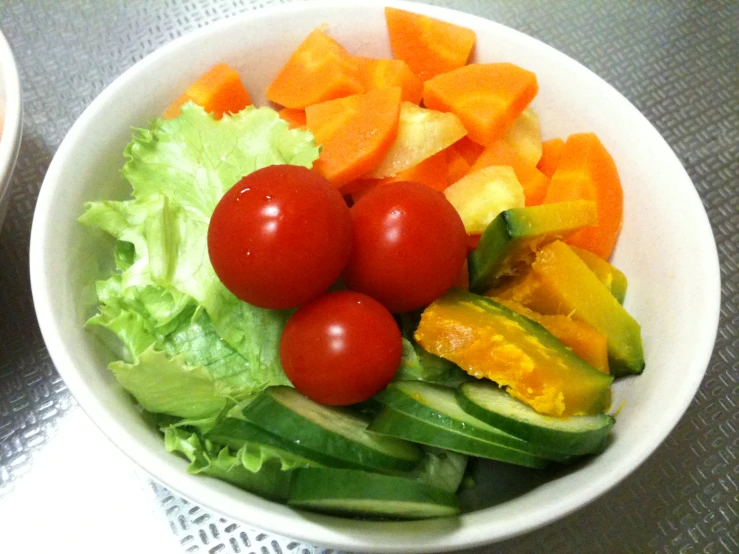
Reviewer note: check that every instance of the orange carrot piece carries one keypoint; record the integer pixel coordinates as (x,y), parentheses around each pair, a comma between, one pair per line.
(320,69)
(431,172)
(355,132)
(219,90)
(587,171)
(470,150)
(295,118)
(378,73)
(551,151)
(457,166)
(429,46)
(486,97)
(533,181)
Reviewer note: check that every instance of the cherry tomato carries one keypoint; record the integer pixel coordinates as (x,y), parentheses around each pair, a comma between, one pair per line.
(341,348)
(408,248)
(280,236)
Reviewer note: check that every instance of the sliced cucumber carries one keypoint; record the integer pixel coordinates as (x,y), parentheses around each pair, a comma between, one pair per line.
(437,404)
(574,435)
(364,494)
(333,436)
(235,433)
(393,423)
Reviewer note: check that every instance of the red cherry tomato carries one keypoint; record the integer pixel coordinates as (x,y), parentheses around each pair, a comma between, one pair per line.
(408,248)
(341,348)
(280,236)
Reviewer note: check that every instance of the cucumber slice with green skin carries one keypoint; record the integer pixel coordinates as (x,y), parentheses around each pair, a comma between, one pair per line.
(575,435)
(333,436)
(393,423)
(368,495)
(439,405)
(234,433)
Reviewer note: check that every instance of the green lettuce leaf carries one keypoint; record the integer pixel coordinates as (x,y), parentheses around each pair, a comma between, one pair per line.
(269,478)
(442,468)
(196,159)
(170,386)
(190,346)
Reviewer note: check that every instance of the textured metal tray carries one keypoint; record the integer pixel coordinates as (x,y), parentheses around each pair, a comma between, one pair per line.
(64,487)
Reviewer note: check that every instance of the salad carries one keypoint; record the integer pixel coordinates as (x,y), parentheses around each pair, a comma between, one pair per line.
(338,304)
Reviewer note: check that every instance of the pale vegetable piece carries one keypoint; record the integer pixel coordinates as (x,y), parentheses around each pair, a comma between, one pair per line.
(524,136)
(421,134)
(480,196)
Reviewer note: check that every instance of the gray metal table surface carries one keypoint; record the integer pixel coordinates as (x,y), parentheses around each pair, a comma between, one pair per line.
(64,487)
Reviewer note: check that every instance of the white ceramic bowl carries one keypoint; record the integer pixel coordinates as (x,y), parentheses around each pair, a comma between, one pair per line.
(10,121)
(666,248)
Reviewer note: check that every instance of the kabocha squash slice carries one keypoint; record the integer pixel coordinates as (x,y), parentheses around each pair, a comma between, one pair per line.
(488,340)
(519,289)
(580,337)
(614,279)
(560,282)
(509,243)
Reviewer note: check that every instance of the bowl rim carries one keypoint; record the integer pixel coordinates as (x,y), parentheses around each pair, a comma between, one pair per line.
(13,115)
(328,530)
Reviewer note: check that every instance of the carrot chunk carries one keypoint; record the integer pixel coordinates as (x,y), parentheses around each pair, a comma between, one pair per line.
(551,151)
(295,118)
(378,73)
(217,91)
(470,150)
(431,172)
(587,171)
(355,132)
(457,166)
(533,181)
(429,46)
(320,69)
(486,97)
